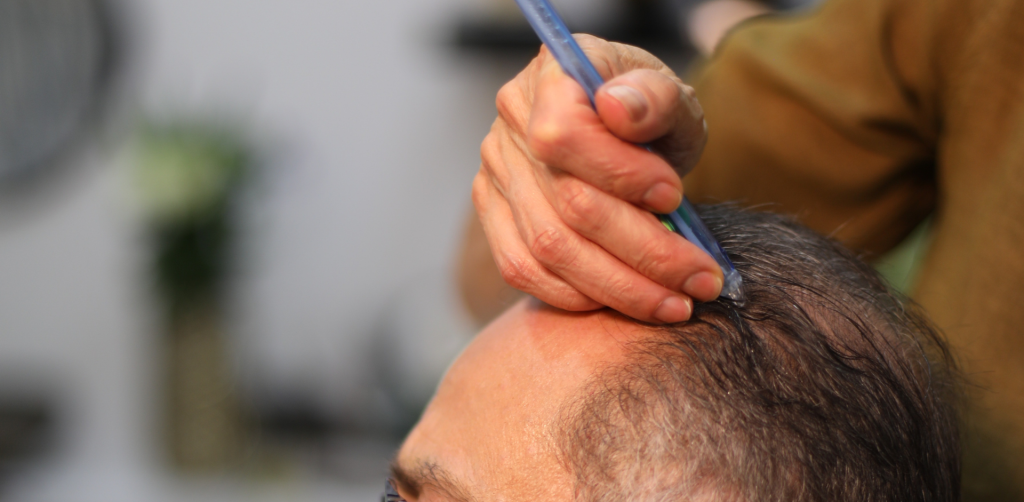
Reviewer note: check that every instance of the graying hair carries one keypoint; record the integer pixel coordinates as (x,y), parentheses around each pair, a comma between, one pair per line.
(824,386)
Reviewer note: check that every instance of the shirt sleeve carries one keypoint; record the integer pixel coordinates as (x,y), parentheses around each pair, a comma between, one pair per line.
(829,115)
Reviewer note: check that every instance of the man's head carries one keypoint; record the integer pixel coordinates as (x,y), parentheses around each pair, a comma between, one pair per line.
(823,386)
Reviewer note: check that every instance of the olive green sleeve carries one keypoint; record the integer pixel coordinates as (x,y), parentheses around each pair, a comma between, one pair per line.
(863,116)
(828,115)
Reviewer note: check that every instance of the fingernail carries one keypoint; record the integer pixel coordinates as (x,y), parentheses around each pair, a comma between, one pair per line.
(703,286)
(673,309)
(632,99)
(663,198)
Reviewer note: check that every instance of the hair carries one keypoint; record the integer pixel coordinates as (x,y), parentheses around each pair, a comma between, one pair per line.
(825,385)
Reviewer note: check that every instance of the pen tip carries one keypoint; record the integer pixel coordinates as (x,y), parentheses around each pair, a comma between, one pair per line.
(733,288)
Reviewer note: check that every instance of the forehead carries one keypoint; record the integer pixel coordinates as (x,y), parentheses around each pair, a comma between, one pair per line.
(494,417)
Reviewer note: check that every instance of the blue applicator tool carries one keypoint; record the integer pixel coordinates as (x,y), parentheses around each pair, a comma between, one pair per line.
(684,220)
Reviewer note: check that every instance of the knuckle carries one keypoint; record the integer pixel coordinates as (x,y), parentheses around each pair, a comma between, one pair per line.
(594,46)
(507,95)
(581,206)
(669,92)
(588,41)
(629,296)
(489,149)
(545,138)
(635,57)
(625,181)
(656,260)
(516,272)
(552,247)
(685,91)
(603,54)
(513,106)
(542,57)
(479,192)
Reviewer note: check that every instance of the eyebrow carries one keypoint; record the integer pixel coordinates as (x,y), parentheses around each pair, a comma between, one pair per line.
(428,473)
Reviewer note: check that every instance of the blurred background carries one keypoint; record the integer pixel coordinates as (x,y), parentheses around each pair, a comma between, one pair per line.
(227,230)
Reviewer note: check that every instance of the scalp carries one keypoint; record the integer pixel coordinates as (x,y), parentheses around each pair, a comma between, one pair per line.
(824,386)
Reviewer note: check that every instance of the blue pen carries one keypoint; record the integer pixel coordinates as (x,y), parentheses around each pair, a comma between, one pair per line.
(570,56)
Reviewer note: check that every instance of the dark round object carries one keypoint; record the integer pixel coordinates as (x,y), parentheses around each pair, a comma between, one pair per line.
(56,60)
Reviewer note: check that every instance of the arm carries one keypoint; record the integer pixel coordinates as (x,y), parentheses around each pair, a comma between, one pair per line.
(845,141)
(832,116)
(565,194)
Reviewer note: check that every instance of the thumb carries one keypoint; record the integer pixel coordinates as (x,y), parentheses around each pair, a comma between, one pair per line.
(648,106)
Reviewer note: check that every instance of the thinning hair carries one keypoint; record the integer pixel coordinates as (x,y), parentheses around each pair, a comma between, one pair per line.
(825,385)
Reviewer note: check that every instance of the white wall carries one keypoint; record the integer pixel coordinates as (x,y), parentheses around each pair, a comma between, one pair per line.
(372,131)
(377,129)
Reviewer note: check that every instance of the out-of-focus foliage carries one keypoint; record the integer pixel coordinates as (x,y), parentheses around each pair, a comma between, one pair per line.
(188,177)
(186,172)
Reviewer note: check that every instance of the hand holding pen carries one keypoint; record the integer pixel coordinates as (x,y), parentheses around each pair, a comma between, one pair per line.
(565,194)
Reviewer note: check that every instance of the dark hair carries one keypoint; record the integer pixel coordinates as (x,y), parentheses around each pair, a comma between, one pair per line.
(824,386)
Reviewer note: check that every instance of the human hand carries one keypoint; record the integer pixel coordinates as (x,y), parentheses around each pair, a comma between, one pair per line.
(565,195)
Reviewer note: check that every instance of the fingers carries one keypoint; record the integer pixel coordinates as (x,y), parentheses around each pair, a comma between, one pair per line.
(643,102)
(565,131)
(589,268)
(515,262)
(637,238)
(647,106)
(564,191)
(539,254)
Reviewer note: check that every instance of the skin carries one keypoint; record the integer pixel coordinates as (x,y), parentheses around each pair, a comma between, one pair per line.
(708,22)
(487,435)
(564,194)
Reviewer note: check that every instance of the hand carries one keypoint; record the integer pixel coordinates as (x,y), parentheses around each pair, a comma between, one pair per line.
(565,195)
